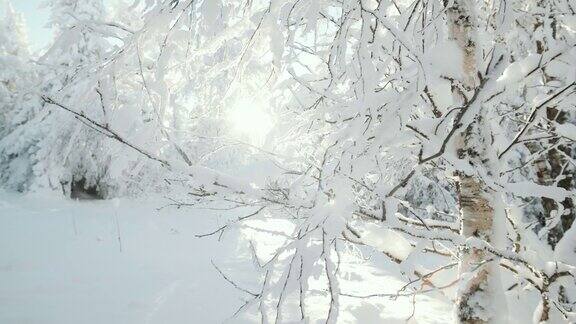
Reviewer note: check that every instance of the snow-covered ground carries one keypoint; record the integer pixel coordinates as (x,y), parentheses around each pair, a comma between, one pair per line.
(61,262)
(125,261)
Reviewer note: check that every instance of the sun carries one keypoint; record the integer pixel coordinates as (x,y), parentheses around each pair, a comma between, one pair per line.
(250,120)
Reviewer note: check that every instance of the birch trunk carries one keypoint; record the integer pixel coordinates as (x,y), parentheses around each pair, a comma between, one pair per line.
(475,198)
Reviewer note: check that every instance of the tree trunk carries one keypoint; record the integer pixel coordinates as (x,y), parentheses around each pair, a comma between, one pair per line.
(475,198)
(476,221)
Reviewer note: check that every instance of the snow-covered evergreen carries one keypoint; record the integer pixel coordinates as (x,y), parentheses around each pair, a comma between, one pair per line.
(18,78)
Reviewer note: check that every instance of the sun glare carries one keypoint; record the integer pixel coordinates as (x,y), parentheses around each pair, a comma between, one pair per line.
(250,120)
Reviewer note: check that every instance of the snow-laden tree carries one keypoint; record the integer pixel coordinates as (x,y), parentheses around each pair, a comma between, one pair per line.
(14,49)
(393,105)
(85,68)
(419,130)
(162,86)
(553,165)
(433,86)
(159,77)
(16,102)
(56,146)
(69,154)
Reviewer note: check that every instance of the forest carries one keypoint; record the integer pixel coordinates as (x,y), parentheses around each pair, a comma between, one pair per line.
(289,161)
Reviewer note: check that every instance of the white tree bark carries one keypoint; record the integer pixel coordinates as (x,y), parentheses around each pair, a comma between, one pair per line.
(475,198)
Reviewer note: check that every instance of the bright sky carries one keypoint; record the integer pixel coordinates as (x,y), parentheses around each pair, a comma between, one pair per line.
(36,20)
